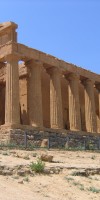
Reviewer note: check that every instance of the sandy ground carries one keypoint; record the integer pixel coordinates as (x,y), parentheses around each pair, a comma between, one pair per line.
(62,186)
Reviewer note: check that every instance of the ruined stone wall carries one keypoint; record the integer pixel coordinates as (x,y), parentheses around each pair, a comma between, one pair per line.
(52,139)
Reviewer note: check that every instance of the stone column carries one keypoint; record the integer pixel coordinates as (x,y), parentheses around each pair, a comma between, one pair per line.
(99,109)
(74,103)
(56,116)
(12,112)
(90,113)
(97,86)
(99,99)
(35,94)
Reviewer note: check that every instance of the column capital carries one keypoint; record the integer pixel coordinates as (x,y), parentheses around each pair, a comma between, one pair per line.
(11,57)
(72,76)
(32,62)
(53,70)
(87,82)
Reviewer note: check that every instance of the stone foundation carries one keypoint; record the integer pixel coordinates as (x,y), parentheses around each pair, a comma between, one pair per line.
(52,138)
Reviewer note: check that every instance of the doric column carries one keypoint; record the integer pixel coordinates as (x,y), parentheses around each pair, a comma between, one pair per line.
(12,112)
(99,98)
(90,113)
(74,103)
(99,104)
(99,109)
(97,86)
(35,94)
(56,116)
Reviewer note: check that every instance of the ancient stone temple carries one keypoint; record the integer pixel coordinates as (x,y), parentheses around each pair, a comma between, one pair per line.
(41,92)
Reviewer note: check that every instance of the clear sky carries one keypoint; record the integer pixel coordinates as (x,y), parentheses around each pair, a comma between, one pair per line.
(67,29)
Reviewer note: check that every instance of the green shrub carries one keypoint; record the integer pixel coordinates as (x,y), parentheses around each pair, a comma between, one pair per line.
(38,166)
(94,190)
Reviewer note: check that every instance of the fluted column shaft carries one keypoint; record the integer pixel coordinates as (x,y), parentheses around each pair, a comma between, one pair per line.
(97,86)
(98,122)
(99,102)
(90,113)
(12,111)
(74,104)
(99,110)
(56,116)
(35,94)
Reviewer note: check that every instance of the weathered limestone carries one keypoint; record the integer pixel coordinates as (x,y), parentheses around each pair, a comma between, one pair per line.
(97,86)
(12,113)
(90,113)
(41,103)
(74,104)
(99,112)
(35,94)
(8,32)
(56,117)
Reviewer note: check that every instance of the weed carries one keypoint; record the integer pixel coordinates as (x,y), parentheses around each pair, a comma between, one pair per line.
(94,190)
(38,166)
(26,179)
(26,157)
(74,174)
(76,183)
(5,153)
(15,177)
(80,173)
(69,178)
(81,187)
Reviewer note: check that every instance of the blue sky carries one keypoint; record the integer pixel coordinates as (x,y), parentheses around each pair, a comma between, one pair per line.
(67,29)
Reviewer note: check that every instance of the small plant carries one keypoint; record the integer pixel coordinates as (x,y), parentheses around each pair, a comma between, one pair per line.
(26,157)
(5,153)
(15,177)
(26,179)
(76,183)
(69,178)
(80,173)
(94,190)
(74,173)
(81,187)
(38,167)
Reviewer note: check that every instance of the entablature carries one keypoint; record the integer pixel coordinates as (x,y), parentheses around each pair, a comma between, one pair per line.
(25,54)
